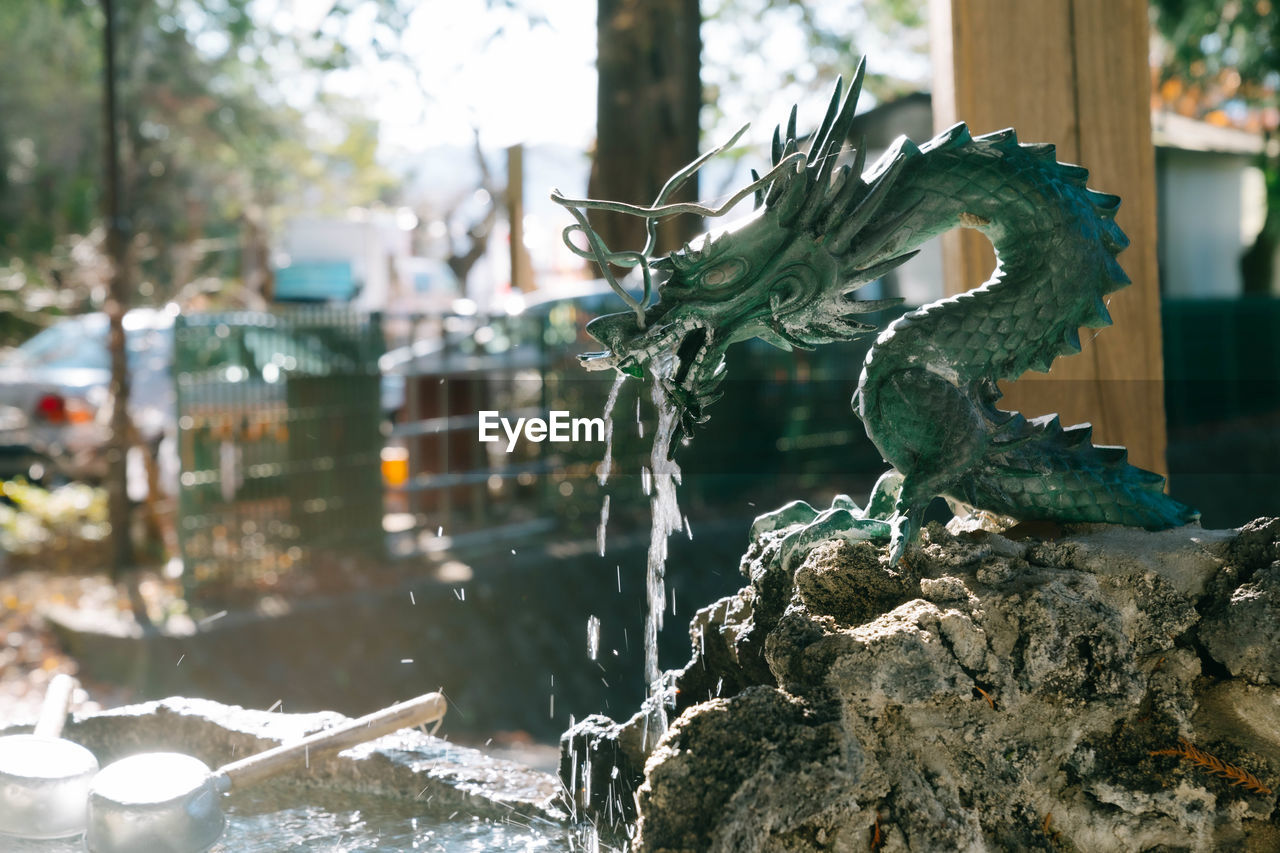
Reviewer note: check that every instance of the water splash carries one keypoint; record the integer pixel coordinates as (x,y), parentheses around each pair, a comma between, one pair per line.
(660,479)
(607,463)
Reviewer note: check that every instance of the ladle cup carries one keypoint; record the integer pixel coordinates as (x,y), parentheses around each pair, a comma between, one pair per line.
(167,802)
(44,780)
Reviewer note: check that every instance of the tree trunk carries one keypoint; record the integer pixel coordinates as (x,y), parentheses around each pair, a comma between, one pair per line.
(117,302)
(649,95)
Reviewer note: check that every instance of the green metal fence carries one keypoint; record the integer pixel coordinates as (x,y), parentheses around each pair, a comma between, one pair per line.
(1221,358)
(460,491)
(279,440)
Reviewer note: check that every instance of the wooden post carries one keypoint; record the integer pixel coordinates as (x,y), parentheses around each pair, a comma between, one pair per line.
(521,266)
(1074,73)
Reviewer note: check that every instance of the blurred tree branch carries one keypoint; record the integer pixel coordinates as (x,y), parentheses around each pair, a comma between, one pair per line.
(209,139)
(462,259)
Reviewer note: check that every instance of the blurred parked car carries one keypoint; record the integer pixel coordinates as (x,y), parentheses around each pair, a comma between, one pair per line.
(54,391)
(464,339)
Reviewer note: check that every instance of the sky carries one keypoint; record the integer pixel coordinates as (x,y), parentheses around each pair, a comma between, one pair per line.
(484,68)
(490,69)
(478,66)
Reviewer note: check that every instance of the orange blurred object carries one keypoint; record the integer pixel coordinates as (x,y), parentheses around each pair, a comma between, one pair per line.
(395,466)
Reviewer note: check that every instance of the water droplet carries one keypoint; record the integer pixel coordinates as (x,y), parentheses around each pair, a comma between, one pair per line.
(602,526)
(593,636)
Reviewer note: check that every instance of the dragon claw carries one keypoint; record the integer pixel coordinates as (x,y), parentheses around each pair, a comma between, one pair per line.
(844,520)
(807,527)
(837,523)
(796,512)
(898,539)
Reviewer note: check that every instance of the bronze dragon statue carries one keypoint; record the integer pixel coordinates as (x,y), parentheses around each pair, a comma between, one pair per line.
(927,391)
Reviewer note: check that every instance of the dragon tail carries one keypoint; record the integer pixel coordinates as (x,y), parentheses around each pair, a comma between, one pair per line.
(1040,470)
(1056,240)
(929,382)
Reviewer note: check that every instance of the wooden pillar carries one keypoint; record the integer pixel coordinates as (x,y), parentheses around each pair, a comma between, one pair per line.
(1074,73)
(521,265)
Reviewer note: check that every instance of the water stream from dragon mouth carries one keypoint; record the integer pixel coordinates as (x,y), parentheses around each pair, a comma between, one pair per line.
(666,519)
(660,481)
(606,464)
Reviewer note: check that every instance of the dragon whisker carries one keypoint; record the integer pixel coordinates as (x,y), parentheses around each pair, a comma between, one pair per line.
(602,256)
(659,211)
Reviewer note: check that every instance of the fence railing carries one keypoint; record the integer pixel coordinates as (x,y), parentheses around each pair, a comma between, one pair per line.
(1221,358)
(451,367)
(279,439)
(283,417)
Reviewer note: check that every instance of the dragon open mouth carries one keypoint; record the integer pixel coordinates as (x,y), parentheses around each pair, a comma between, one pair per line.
(684,354)
(690,353)
(673,351)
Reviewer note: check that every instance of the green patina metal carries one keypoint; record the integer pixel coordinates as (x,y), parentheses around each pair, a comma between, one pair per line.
(927,391)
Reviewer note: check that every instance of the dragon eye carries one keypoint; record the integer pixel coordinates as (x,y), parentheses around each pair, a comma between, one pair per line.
(724,273)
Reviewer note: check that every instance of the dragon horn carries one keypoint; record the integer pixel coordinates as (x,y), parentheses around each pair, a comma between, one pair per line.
(819,144)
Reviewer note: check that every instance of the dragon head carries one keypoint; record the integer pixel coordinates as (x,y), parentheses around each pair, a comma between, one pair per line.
(783,275)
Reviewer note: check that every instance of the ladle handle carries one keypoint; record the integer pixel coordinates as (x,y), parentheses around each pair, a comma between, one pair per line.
(57,700)
(255,768)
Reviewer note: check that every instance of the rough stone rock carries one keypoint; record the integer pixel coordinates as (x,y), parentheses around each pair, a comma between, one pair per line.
(603,762)
(1244,632)
(1109,689)
(1241,628)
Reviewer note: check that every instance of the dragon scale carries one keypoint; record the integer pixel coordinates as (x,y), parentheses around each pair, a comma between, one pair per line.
(927,391)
